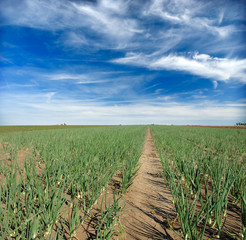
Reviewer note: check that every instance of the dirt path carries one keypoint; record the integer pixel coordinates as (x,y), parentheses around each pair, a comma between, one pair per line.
(149,200)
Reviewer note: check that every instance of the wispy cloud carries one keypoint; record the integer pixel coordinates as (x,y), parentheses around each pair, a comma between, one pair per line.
(124,24)
(64,76)
(59,110)
(190,13)
(106,85)
(5,60)
(49,96)
(107,19)
(80,78)
(221,69)
(215,83)
(121,61)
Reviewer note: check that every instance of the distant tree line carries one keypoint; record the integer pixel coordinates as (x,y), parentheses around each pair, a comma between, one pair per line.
(240,124)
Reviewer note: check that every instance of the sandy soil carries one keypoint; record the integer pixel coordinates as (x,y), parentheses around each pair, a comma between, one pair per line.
(148,203)
(233,127)
(148,200)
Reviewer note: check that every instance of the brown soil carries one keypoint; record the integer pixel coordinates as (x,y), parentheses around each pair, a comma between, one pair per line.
(148,207)
(148,200)
(148,203)
(236,127)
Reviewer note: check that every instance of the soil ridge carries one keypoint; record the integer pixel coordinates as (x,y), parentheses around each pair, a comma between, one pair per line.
(148,200)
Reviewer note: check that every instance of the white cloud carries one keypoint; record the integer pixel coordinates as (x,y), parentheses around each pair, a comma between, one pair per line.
(190,14)
(201,57)
(221,16)
(49,96)
(108,19)
(32,109)
(236,105)
(64,76)
(116,25)
(95,81)
(84,85)
(74,78)
(38,14)
(215,83)
(220,69)
(5,60)
(75,39)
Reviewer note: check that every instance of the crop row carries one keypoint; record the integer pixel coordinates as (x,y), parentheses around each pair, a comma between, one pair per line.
(51,179)
(204,168)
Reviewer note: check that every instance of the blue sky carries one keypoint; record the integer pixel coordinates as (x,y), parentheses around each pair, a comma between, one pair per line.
(122,62)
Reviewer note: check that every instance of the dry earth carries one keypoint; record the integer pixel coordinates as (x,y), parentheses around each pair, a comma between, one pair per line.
(148,200)
(148,204)
(201,126)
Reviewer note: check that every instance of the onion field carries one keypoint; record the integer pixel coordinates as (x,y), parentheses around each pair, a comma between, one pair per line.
(205,169)
(51,180)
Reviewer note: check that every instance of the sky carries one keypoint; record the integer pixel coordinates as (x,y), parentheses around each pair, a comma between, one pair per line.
(122,62)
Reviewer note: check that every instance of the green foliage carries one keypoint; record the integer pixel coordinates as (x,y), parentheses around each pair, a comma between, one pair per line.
(25,128)
(212,158)
(109,218)
(59,167)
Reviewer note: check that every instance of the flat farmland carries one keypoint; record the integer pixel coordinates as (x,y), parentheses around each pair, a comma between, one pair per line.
(205,170)
(27,128)
(123,182)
